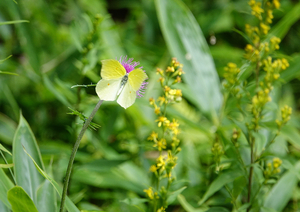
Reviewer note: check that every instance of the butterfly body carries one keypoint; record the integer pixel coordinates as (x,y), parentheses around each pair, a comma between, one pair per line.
(116,83)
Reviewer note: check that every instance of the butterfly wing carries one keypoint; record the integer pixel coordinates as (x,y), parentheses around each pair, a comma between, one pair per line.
(112,69)
(107,89)
(128,94)
(112,73)
(136,78)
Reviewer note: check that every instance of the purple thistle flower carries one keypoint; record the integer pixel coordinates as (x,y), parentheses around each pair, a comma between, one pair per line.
(130,65)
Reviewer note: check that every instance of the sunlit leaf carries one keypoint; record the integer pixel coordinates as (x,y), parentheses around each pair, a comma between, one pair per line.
(20,200)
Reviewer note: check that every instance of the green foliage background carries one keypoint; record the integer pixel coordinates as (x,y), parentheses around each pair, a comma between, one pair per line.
(112,163)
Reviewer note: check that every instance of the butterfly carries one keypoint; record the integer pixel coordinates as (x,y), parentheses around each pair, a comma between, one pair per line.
(116,82)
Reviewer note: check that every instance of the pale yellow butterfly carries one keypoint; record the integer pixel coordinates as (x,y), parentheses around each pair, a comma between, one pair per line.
(116,82)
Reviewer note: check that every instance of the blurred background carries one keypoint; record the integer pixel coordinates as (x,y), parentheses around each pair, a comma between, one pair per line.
(62,44)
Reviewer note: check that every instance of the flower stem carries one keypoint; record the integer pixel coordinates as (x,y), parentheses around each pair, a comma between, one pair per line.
(76,145)
(252,143)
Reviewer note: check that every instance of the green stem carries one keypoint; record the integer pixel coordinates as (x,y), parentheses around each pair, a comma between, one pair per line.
(252,142)
(76,145)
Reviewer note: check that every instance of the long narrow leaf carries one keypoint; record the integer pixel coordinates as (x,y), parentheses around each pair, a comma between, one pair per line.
(281,192)
(219,182)
(13,22)
(69,204)
(25,172)
(5,186)
(185,41)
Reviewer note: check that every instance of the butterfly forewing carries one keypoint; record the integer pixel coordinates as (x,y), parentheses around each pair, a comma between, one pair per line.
(136,78)
(112,69)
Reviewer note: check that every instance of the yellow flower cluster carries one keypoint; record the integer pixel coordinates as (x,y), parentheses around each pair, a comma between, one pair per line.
(164,163)
(264,13)
(256,9)
(286,113)
(272,168)
(166,142)
(258,52)
(231,72)
(150,193)
(258,102)
(272,69)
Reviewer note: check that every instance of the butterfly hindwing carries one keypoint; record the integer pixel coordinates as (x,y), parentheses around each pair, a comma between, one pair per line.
(108,89)
(136,78)
(112,69)
(127,96)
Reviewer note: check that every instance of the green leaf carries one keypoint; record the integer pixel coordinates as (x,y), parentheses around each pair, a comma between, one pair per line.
(9,73)
(4,149)
(69,204)
(217,209)
(25,172)
(186,42)
(173,195)
(7,129)
(6,166)
(20,200)
(281,192)
(284,25)
(5,186)
(219,182)
(13,22)
(292,135)
(264,209)
(46,197)
(186,206)
(135,202)
(238,186)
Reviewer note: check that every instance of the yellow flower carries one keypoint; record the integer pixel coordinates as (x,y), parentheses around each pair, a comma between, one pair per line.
(161,100)
(265,28)
(170,69)
(160,71)
(149,192)
(276,162)
(161,144)
(177,80)
(180,71)
(162,120)
(161,79)
(153,136)
(276,4)
(167,88)
(162,209)
(153,168)
(160,162)
(151,101)
(157,110)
